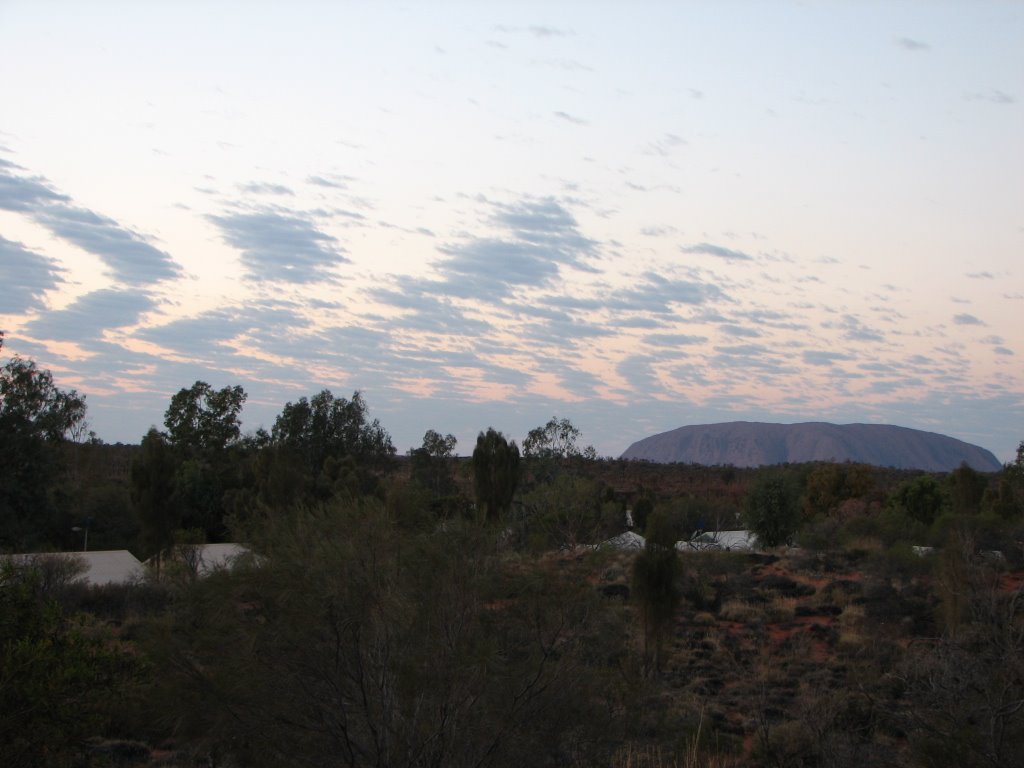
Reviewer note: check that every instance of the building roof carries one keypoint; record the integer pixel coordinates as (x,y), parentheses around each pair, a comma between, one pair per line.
(205,558)
(114,566)
(722,540)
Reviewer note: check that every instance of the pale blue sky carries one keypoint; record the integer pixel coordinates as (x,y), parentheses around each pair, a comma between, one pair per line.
(634,215)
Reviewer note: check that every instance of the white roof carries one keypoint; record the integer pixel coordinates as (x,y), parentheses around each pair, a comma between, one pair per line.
(113,566)
(209,557)
(627,540)
(213,556)
(723,540)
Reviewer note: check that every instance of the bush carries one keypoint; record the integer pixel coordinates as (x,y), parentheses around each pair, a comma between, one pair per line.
(772,510)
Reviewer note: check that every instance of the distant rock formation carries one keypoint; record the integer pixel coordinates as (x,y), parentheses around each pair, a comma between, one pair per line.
(753,444)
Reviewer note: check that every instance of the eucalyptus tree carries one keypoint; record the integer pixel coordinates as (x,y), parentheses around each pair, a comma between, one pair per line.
(36,417)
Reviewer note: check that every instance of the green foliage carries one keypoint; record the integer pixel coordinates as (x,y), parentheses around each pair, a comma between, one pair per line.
(495,473)
(353,642)
(58,676)
(325,426)
(201,419)
(922,498)
(567,512)
(963,694)
(555,440)
(1006,496)
(35,419)
(966,489)
(655,583)
(829,484)
(642,510)
(153,493)
(772,509)
(432,465)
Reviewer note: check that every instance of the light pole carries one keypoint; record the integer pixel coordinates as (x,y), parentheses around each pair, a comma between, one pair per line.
(79,529)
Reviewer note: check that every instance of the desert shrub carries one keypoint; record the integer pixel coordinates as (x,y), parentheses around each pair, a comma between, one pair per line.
(116,602)
(891,526)
(922,499)
(820,533)
(772,509)
(741,611)
(988,531)
(899,561)
(60,676)
(360,643)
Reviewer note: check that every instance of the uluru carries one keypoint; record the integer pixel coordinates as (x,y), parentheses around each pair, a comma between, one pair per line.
(753,444)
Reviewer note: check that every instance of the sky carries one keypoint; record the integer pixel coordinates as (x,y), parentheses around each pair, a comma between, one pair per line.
(636,216)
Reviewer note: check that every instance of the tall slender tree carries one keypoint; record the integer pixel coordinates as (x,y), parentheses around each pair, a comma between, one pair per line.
(495,473)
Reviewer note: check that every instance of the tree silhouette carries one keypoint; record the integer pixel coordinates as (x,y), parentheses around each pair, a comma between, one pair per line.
(495,473)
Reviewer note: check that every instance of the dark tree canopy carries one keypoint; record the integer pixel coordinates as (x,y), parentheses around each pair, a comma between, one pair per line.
(495,473)
(154,493)
(35,418)
(432,463)
(201,418)
(555,440)
(922,498)
(772,510)
(325,426)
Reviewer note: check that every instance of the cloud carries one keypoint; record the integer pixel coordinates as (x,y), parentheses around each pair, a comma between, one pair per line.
(539,30)
(717,250)
(909,44)
(981,275)
(652,293)
(855,330)
(129,256)
(281,246)
(539,238)
(824,357)
(992,96)
(740,330)
(966,319)
(204,334)
(426,312)
(21,194)
(25,276)
(664,146)
(570,118)
(323,181)
(1000,350)
(256,188)
(673,339)
(89,316)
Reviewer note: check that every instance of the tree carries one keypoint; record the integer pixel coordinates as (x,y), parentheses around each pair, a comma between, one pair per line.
(154,495)
(922,498)
(324,426)
(966,489)
(58,675)
(343,652)
(201,419)
(432,463)
(555,440)
(495,473)
(35,419)
(1006,498)
(642,509)
(962,699)
(567,512)
(772,511)
(655,572)
(829,484)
